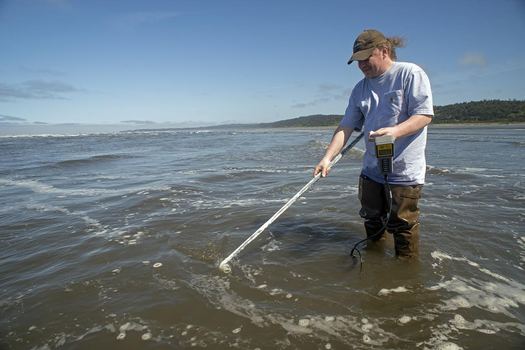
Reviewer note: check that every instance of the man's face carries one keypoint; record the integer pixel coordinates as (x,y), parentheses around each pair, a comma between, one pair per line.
(375,65)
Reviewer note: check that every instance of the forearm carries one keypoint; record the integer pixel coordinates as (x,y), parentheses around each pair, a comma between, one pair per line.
(408,127)
(339,139)
(341,135)
(412,125)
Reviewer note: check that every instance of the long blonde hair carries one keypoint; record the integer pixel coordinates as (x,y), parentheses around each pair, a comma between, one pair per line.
(391,44)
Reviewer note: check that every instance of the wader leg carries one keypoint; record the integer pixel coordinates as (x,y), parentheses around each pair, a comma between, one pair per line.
(373,206)
(404,220)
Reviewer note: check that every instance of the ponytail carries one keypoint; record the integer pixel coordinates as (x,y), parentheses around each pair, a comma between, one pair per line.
(391,44)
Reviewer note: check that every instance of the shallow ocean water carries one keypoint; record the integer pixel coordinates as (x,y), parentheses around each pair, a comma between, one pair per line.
(113,240)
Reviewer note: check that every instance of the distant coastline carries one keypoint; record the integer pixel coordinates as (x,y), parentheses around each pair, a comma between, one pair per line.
(486,112)
(477,114)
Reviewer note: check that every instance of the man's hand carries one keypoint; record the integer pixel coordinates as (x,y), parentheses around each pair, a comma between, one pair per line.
(322,167)
(391,131)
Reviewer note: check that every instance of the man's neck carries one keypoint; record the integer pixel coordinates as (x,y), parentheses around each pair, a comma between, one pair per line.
(387,65)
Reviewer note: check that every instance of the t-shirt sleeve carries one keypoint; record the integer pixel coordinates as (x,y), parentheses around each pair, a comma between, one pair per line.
(419,94)
(353,117)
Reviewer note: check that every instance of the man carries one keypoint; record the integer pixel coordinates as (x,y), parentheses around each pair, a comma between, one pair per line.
(394,98)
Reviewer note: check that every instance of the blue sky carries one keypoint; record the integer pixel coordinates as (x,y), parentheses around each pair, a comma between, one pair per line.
(216,61)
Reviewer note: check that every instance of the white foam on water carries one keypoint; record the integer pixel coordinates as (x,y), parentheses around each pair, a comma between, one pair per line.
(164,283)
(440,338)
(130,326)
(441,256)
(448,346)
(126,235)
(304,322)
(385,291)
(226,204)
(62,339)
(344,328)
(404,319)
(272,246)
(265,170)
(490,296)
(43,188)
(485,326)
(44,207)
(40,187)
(442,333)
(499,296)
(277,291)
(217,291)
(521,244)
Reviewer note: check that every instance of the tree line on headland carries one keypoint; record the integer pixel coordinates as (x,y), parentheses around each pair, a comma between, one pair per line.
(485,111)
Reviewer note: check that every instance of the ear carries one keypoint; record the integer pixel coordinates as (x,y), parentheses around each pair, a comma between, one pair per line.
(384,52)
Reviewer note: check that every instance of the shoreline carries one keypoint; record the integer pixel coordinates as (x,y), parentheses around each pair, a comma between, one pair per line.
(431,126)
(60,130)
(477,125)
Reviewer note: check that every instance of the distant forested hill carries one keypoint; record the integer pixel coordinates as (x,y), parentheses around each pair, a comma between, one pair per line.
(311,120)
(481,111)
(486,111)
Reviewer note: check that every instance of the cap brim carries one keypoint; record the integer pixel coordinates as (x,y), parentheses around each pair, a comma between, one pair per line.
(361,55)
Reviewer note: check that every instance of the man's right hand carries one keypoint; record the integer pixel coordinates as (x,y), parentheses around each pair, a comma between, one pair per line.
(322,167)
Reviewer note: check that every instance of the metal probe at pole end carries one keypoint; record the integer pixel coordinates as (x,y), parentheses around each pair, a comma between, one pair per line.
(224,267)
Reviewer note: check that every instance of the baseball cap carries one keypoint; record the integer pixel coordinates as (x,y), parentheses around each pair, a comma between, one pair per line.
(365,43)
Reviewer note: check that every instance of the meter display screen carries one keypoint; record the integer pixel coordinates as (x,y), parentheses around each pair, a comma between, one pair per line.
(386,150)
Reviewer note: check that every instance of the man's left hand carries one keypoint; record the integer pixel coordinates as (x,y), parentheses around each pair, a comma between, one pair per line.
(391,130)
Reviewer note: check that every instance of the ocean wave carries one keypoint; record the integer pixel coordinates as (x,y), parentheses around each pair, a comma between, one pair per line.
(343,328)
(92,160)
(465,172)
(498,295)
(255,170)
(314,144)
(41,187)
(52,208)
(432,170)
(37,186)
(31,136)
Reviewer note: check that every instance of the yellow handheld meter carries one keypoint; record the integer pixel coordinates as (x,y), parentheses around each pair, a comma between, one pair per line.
(385,152)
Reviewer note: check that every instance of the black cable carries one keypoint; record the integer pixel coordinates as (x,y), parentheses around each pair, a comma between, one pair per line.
(388,196)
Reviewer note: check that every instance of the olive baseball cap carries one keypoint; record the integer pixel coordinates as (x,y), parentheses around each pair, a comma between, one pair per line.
(365,43)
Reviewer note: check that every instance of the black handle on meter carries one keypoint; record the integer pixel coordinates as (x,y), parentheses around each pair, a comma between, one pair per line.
(385,152)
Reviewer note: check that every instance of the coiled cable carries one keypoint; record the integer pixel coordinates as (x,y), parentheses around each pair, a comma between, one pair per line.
(388,197)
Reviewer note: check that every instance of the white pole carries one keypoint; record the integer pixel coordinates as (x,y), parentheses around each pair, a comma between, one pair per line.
(224,264)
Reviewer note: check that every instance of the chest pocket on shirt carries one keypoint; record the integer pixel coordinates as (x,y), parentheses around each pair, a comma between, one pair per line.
(392,103)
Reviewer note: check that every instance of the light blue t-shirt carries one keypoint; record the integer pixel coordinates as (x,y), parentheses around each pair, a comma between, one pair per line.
(387,100)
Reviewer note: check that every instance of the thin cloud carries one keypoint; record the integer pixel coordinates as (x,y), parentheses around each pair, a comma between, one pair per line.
(148,122)
(132,21)
(329,87)
(36,89)
(7,118)
(473,59)
(47,72)
(312,103)
(326,93)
